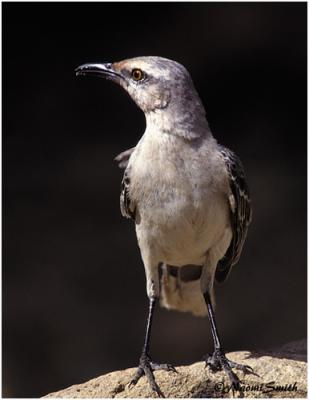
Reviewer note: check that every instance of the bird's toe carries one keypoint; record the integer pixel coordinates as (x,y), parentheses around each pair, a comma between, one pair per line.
(146,367)
(165,367)
(218,361)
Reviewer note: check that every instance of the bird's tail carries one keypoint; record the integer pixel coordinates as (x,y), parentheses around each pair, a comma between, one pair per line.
(181,289)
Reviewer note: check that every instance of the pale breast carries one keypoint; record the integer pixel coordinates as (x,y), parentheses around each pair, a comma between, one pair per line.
(182,210)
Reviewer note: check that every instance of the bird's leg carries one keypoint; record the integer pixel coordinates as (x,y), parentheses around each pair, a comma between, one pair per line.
(146,366)
(218,361)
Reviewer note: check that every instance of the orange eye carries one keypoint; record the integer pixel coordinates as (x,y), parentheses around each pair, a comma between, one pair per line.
(137,74)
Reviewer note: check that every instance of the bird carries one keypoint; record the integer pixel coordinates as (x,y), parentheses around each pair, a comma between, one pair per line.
(187,195)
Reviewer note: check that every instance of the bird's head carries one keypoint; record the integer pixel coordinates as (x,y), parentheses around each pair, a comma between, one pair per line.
(155,84)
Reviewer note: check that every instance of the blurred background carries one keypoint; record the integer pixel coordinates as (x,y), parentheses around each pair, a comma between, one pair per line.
(74,298)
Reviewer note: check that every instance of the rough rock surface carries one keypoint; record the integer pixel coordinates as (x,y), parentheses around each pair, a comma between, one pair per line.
(282,373)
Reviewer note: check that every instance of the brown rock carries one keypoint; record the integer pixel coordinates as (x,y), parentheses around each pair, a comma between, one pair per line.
(282,373)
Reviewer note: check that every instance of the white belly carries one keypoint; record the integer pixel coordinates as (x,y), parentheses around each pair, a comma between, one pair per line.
(180,231)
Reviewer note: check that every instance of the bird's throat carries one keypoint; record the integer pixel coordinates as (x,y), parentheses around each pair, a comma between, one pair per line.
(185,125)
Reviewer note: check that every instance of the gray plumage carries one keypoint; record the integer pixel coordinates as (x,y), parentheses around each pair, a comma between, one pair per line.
(187,194)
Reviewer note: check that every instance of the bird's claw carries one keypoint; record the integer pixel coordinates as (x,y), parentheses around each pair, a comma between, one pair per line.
(138,374)
(218,361)
(146,367)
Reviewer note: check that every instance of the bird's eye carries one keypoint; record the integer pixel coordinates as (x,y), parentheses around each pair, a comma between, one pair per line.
(137,74)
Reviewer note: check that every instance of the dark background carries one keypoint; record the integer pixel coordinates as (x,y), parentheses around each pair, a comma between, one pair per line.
(74,299)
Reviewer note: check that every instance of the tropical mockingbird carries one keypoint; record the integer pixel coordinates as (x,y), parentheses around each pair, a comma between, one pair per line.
(186,193)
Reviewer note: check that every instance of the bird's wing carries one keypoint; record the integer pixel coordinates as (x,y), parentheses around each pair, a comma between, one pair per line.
(240,211)
(126,205)
(123,158)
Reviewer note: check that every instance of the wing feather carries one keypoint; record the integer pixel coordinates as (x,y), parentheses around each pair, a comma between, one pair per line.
(240,211)
(126,206)
(124,157)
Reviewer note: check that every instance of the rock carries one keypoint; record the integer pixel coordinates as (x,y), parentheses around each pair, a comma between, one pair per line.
(282,373)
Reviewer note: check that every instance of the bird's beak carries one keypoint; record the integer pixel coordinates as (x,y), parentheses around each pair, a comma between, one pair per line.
(101,70)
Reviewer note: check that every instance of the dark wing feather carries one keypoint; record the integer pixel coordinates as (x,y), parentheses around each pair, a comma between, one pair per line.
(126,206)
(241,213)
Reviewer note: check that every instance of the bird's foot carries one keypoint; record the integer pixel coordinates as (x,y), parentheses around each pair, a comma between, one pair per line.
(146,367)
(218,361)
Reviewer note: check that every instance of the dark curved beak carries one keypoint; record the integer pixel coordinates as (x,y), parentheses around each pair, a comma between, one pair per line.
(101,70)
